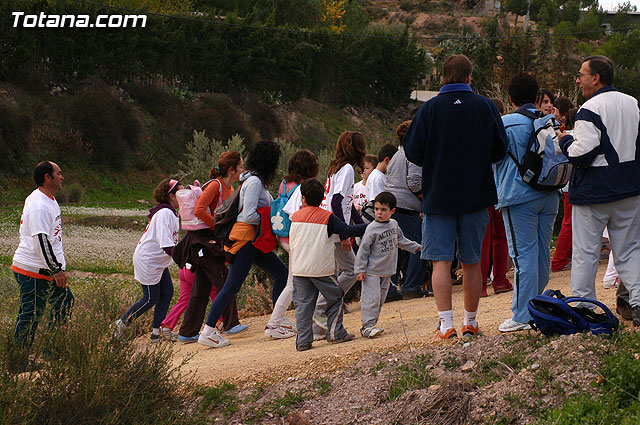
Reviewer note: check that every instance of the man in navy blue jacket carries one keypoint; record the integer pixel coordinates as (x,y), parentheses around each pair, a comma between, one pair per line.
(455,137)
(605,184)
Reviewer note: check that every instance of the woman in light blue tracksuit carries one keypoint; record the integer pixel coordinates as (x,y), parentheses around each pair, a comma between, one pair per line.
(528,214)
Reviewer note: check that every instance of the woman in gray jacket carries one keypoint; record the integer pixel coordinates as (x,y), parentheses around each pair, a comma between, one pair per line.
(261,166)
(404,180)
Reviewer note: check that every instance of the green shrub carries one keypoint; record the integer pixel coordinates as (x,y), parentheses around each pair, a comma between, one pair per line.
(89,376)
(343,68)
(71,194)
(617,399)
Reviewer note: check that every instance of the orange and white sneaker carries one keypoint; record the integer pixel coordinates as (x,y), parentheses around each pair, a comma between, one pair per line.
(470,330)
(448,334)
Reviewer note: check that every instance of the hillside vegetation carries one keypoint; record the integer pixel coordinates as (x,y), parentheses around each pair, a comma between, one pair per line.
(119,140)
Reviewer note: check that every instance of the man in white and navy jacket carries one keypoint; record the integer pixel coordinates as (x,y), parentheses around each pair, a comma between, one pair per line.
(605,183)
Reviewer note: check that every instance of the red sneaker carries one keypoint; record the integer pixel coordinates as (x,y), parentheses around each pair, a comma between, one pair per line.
(501,289)
(449,334)
(470,330)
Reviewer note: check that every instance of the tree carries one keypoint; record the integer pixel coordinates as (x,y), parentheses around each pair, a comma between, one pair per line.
(169,7)
(517,7)
(332,13)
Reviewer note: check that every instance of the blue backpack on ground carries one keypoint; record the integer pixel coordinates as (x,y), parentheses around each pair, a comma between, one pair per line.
(280,220)
(553,315)
(544,166)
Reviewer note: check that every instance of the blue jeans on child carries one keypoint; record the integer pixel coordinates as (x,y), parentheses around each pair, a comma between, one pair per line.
(158,295)
(529,227)
(244,258)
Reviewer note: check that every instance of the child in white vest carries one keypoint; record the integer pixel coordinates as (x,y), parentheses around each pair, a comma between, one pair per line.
(312,263)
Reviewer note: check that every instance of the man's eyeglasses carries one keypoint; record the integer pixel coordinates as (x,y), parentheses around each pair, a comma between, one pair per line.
(580,75)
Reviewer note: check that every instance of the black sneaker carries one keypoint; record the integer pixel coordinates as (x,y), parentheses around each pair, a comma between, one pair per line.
(635,313)
(623,308)
(347,337)
(392,298)
(304,347)
(408,295)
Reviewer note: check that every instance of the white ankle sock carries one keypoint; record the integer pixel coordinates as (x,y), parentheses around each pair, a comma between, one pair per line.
(208,330)
(156,331)
(470,318)
(446,320)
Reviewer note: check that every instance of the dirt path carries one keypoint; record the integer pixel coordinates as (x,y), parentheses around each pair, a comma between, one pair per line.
(252,357)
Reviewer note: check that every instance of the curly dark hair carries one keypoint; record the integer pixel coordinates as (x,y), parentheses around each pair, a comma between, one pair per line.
(302,165)
(350,149)
(161,192)
(263,160)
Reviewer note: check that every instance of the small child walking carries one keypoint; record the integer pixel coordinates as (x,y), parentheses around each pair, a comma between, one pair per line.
(376,261)
(312,265)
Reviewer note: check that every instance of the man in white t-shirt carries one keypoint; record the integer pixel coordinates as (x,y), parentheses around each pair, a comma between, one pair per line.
(377,178)
(38,263)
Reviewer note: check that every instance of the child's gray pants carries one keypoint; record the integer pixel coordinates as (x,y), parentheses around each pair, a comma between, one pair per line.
(373,295)
(305,294)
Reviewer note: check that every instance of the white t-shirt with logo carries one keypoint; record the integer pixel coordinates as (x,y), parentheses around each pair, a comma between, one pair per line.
(41,214)
(149,259)
(375,183)
(294,203)
(359,195)
(340,183)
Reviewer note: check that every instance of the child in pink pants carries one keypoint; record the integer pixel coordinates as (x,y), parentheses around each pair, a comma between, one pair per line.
(186,282)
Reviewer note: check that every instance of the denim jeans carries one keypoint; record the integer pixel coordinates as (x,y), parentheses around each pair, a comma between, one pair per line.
(441,234)
(34,295)
(414,276)
(158,295)
(246,256)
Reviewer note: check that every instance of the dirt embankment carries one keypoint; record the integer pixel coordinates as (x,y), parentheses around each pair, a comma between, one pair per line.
(491,379)
(408,325)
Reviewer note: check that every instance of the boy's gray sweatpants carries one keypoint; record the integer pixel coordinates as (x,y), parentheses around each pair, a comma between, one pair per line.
(346,279)
(305,294)
(373,295)
(622,220)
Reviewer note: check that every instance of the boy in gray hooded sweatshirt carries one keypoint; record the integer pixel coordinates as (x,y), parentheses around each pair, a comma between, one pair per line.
(376,261)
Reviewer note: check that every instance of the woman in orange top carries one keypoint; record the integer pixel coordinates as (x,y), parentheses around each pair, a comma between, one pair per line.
(211,271)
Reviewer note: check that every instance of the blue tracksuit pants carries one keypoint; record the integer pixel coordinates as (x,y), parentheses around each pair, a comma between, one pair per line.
(529,227)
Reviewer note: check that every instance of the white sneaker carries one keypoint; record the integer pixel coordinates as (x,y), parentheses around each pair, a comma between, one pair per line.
(278,332)
(119,328)
(287,324)
(214,339)
(371,332)
(610,284)
(511,325)
(168,335)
